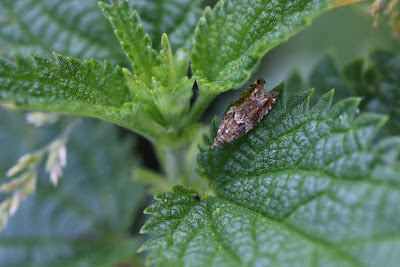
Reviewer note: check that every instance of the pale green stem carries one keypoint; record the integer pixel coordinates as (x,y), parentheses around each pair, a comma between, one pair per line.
(174,164)
(200,105)
(177,167)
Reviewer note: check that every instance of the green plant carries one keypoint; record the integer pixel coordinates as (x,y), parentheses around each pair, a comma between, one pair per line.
(309,185)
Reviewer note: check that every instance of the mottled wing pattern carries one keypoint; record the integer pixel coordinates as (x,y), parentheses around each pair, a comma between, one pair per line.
(245,113)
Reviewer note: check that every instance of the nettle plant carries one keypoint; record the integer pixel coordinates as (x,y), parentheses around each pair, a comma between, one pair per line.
(309,185)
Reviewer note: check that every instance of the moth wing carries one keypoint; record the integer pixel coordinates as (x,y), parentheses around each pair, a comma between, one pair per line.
(268,101)
(246,109)
(243,114)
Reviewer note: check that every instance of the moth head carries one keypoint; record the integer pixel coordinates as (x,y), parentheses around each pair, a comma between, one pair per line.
(260,81)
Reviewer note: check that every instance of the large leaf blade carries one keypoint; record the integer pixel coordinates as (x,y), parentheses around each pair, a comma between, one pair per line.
(304,187)
(72,27)
(231,39)
(65,79)
(67,85)
(135,42)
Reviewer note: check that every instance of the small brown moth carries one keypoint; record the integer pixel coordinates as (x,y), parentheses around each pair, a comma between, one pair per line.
(245,113)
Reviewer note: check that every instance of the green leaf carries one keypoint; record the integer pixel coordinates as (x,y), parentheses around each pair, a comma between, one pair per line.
(169,78)
(231,39)
(375,79)
(89,88)
(172,94)
(84,221)
(304,187)
(174,105)
(177,18)
(164,102)
(134,41)
(159,82)
(140,90)
(68,85)
(32,81)
(75,28)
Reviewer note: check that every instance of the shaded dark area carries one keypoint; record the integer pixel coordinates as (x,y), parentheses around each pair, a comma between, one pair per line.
(210,3)
(143,148)
(148,160)
(139,218)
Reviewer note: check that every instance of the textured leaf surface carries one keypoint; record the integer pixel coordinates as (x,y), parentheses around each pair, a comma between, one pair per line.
(134,41)
(305,187)
(73,27)
(158,81)
(64,79)
(84,221)
(231,39)
(177,18)
(67,85)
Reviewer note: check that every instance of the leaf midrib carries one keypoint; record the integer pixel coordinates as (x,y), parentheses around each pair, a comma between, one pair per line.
(246,52)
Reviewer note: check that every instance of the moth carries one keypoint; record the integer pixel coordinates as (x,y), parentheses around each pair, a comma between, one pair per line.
(245,113)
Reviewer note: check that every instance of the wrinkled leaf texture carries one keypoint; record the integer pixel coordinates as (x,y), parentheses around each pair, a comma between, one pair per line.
(78,29)
(231,39)
(305,187)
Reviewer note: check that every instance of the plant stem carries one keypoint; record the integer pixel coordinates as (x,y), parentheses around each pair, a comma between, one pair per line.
(201,103)
(178,163)
(174,163)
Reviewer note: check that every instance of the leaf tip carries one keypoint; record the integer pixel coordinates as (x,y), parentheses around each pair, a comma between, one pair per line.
(57,56)
(165,43)
(182,190)
(101,5)
(309,92)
